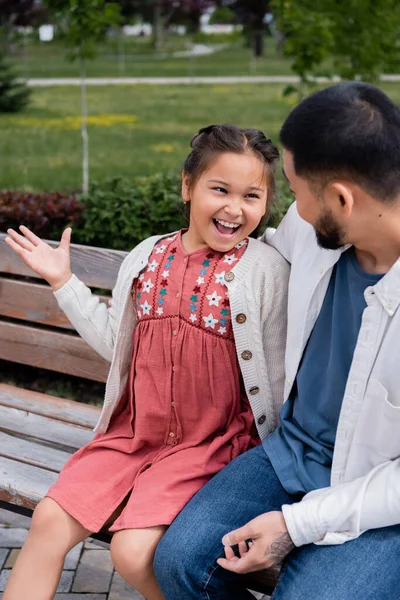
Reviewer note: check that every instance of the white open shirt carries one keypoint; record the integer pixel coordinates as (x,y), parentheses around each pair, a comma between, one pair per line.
(365,478)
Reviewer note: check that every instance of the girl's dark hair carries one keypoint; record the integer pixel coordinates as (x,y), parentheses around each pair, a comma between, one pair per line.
(217,139)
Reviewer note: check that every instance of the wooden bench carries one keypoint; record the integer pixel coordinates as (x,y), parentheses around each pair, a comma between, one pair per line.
(39,432)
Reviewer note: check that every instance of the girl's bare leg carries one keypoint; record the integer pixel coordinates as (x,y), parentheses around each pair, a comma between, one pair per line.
(132,551)
(37,571)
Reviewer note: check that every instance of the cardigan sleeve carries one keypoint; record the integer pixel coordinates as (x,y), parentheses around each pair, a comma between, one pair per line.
(96,323)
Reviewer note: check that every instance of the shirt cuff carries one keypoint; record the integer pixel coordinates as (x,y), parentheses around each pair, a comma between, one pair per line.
(302,522)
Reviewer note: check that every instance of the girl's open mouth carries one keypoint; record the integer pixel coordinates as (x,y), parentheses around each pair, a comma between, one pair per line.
(225,228)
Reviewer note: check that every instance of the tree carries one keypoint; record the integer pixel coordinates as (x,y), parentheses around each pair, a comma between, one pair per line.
(365,36)
(14,95)
(307,37)
(83,22)
(359,36)
(251,13)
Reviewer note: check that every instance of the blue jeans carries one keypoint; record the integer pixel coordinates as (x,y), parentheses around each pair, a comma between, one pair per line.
(367,568)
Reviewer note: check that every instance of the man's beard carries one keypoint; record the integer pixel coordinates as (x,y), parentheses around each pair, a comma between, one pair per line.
(329,234)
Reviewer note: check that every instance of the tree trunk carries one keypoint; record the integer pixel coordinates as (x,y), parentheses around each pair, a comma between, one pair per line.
(121,53)
(157,25)
(258,42)
(84,132)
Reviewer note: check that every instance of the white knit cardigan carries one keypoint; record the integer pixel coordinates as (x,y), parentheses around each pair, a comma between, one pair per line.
(257,288)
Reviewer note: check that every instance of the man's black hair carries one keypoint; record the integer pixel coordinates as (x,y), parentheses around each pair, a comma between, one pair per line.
(350,130)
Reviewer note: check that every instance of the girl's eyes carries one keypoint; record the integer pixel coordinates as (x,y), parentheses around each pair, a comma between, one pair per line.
(224,191)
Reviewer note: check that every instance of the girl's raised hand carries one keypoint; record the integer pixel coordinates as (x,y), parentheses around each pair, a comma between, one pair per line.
(53,264)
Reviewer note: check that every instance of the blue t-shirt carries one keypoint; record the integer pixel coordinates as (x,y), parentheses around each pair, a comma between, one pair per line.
(301,448)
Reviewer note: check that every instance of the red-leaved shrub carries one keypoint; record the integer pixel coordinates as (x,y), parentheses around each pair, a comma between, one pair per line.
(46,214)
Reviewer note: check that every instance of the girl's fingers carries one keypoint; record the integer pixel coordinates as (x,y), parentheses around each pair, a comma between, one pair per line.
(20,240)
(66,239)
(17,248)
(30,235)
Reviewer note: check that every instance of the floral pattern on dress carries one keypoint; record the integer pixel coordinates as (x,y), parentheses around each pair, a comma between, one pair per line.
(189,286)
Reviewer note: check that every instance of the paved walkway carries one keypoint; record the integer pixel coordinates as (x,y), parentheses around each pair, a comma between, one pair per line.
(88,572)
(72,81)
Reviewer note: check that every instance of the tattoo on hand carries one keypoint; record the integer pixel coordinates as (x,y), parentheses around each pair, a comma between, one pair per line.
(280,548)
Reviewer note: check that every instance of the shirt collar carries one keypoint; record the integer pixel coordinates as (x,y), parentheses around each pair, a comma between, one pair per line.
(387,290)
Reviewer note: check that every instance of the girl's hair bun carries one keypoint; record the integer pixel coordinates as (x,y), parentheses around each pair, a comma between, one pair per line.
(209,129)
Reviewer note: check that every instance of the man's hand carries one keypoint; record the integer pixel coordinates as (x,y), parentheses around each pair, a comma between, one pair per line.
(269,544)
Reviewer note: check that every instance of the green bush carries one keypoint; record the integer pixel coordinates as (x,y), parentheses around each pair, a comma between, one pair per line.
(222,14)
(283,201)
(119,213)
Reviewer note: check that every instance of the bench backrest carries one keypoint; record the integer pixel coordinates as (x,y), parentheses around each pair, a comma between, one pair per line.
(33,329)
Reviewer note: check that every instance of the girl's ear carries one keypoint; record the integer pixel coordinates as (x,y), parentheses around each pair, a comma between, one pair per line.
(185,187)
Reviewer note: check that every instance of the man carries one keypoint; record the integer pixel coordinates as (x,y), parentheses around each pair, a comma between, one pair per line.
(323,490)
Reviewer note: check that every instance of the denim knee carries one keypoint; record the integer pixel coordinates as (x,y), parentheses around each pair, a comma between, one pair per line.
(178,565)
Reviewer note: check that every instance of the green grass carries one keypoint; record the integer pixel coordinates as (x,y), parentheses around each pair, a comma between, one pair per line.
(141,61)
(41,148)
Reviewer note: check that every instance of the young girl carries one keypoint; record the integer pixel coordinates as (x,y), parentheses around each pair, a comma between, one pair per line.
(195,336)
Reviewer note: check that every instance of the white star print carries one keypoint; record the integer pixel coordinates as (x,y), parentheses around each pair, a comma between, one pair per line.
(152,266)
(219,278)
(213,299)
(230,259)
(200,280)
(210,321)
(193,317)
(160,249)
(222,330)
(147,285)
(165,273)
(160,310)
(139,314)
(240,244)
(141,277)
(146,308)
(171,239)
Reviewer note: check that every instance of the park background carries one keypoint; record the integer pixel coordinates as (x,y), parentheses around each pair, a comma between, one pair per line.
(99,100)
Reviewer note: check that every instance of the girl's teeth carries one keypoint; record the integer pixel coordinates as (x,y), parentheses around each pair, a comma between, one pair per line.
(226,224)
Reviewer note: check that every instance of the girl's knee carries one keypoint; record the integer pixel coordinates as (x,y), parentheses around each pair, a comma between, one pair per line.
(47,517)
(132,556)
(53,524)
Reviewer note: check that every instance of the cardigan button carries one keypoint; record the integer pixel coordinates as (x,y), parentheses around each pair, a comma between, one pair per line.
(261,419)
(229,276)
(241,318)
(247,355)
(254,390)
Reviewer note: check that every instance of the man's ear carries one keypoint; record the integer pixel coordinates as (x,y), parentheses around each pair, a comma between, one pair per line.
(340,196)
(185,187)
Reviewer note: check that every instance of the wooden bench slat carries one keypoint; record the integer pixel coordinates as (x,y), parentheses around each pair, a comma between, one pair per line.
(49,406)
(51,350)
(13,420)
(31,453)
(22,484)
(32,302)
(97,267)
